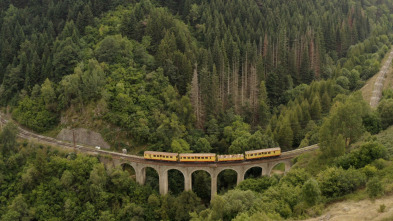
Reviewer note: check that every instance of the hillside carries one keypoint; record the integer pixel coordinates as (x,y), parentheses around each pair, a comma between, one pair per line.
(363,210)
(194,76)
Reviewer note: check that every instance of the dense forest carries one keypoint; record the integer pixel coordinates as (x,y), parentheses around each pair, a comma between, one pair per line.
(188,76)
(192,76)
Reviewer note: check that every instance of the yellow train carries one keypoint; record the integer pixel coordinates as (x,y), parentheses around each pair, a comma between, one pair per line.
(197,157)
(154,155)
(256,154)
(212,157)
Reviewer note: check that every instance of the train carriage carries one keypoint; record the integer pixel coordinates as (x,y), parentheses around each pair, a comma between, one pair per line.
(257,154)
(154,155)
(197,157)
(230,158)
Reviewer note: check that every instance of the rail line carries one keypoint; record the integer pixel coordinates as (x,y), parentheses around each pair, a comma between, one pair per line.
(25,134)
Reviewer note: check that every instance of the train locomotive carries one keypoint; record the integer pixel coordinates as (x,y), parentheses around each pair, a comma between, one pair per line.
(211,157)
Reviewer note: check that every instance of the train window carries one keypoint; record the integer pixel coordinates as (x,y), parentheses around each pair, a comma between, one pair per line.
(188,157)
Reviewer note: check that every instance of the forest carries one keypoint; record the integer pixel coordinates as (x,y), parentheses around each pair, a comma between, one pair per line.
(192,76)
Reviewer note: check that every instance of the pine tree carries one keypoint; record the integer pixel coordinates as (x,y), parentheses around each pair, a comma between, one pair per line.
(196,98)
(284,134)
(315,109)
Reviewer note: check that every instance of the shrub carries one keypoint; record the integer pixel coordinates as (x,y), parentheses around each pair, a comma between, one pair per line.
(257,185)
(382,208)
(374,188)
(370,171)
(380,164)
(311,192)
(335,182)
(366,154)
(372,123)
(295,177)
(385,109)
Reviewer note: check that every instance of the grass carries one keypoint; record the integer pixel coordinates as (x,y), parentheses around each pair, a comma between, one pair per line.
(279,167)
(357,195)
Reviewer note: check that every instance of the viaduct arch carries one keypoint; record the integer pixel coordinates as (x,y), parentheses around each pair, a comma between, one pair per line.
(187,169)
(139,164)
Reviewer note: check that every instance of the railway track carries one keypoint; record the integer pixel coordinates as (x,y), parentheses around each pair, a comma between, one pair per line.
(25,134)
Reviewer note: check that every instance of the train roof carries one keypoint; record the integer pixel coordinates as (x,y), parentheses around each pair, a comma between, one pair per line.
(161,153)
(263,150)
(229,155)
(197,155)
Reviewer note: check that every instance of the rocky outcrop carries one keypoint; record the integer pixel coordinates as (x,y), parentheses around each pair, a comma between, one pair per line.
(83,136)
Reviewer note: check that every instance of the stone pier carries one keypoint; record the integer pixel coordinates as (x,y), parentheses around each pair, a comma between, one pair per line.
(187,169)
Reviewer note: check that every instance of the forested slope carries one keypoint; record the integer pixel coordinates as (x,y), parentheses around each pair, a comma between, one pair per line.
(204,76)
(193,76)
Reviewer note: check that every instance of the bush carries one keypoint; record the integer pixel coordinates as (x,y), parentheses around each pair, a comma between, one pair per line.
(372,123)
(366,154)
(374,188)
(380,164)
(385,109)
(335,182)
(370,170)
(295,177)
(257,185)
(33,114)
(382,208)
(311,192)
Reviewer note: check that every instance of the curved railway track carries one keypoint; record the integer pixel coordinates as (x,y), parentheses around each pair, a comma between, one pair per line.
(25,134)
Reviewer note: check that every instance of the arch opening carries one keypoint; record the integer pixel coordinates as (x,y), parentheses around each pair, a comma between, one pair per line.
(127,167)
(226,180)
(201,185)
(152,178)
(175,181)
(278,169)
(253,172)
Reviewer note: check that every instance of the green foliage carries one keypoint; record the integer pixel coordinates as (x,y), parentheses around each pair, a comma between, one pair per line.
(8,138)
(311,192)
(186,203)
(372,123)
(335,182)
(203,146)
(366,154)
(382,208)
(374,188)
(370,171)
(33,114)
(228,206)
(385,110)
(258,185)
(180,146)
(114,49)
(343,126)
(295,177)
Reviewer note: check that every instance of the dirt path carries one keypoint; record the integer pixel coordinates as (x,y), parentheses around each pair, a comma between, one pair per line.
(372,91)
(363,210)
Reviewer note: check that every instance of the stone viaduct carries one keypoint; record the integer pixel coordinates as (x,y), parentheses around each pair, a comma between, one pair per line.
(139,164)
(213,169)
